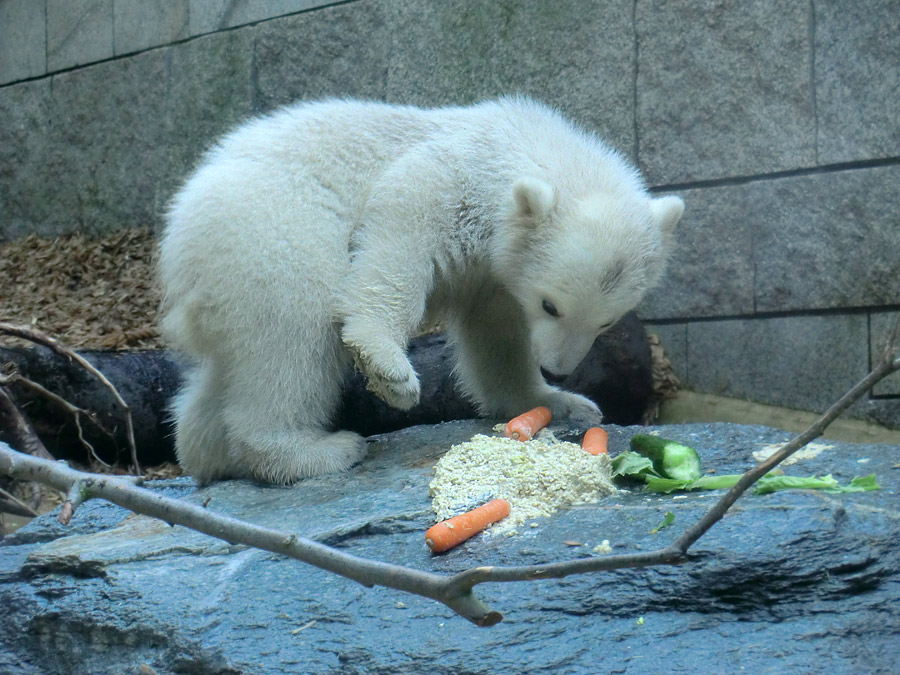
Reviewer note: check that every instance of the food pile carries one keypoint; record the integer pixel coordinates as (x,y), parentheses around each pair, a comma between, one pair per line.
(536,477)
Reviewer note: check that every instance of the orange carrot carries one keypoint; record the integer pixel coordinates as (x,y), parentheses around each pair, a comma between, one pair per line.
(526,425)
(596,441)
(454,531)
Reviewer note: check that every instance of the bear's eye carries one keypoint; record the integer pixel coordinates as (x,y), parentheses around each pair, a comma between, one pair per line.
(550,308)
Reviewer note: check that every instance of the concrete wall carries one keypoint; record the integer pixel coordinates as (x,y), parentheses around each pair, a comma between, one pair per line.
(777,121)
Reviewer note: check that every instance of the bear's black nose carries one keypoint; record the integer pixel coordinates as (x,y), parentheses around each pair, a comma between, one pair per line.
(552,378)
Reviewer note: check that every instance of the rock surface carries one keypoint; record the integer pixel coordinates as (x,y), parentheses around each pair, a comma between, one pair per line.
(789,582)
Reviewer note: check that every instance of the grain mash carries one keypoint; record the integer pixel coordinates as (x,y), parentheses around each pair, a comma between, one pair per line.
(536,477)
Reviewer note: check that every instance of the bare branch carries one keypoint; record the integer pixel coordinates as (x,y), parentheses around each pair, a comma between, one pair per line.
(76,412)
(18,427)
(10,504)
(37,337)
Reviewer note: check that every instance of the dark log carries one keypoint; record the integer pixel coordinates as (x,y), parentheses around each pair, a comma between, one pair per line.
(616,374)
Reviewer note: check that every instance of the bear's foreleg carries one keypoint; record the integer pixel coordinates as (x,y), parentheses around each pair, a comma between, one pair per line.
(496,368)
(391,276)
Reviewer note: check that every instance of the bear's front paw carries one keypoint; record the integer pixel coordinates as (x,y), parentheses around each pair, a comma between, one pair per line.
(392,379)
(578,409)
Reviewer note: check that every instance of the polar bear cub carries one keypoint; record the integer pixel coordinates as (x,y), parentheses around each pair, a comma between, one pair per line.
(320,237)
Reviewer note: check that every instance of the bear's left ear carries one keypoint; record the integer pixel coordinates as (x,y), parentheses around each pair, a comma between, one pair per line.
(534,200)
(667,212)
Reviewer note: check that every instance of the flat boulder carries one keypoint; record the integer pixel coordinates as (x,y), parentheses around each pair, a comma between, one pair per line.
(794,581)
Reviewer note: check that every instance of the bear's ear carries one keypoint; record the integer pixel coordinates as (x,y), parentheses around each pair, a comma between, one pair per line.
(534,200)
(667,212)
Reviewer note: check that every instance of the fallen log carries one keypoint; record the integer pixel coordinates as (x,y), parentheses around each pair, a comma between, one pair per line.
(616,374)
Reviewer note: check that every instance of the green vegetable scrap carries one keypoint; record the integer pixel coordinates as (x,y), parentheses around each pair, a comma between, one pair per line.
(667,520)
(670,458)
(768,484)
(666,466)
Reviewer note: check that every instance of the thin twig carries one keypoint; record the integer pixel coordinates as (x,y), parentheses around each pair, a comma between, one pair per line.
(19,428)
(76,412)
(10,504)
(39,338)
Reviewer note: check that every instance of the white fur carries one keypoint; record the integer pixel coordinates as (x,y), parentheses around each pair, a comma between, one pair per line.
(323,234)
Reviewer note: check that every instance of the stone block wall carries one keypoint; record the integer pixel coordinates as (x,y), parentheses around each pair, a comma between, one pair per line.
(777,122)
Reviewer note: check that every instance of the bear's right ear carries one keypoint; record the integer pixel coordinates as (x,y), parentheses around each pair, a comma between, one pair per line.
(534,200)
(667,211)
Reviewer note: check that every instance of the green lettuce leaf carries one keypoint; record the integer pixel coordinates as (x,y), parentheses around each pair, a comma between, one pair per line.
(631,464)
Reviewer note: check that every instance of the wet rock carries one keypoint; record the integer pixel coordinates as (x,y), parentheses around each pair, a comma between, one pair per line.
(791,581)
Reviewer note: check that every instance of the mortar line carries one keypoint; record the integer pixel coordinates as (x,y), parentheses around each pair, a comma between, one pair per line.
(775,314)
(733,181)
(811,26)
(173,43)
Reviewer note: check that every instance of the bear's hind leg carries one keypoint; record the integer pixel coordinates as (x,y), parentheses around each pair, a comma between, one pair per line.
(281,399)
(286,456)
(200,430)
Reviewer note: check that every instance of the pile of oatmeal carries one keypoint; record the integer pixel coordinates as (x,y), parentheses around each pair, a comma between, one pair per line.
(537,477)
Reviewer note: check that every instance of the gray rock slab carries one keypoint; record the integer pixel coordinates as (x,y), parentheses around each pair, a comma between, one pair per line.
(78,32)
(574,55)
(857,79)
(456,53)
(710,270)
(210,90)
(801,362)
(26,199)
(340,51)
(23,40)
(142,24)
(828,240)
(723,89)
(785,582)
(215,15)
(106,144)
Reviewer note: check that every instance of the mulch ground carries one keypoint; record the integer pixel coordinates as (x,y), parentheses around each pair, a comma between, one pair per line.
(87,293)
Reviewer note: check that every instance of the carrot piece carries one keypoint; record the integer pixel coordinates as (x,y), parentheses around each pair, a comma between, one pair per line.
(454,531)
(526,425)
(596,441)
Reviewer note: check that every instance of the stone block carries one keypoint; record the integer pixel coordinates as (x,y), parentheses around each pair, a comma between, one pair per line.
(801,362)
(23,40)
(78,32)
(880,324)
(574,55)
(822,241)
(857,79)
(27,199)
(723,88)
(827,240)
(710,271)
(210,91)
(339,51)
(104,151)
(142,24)
(208,16)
